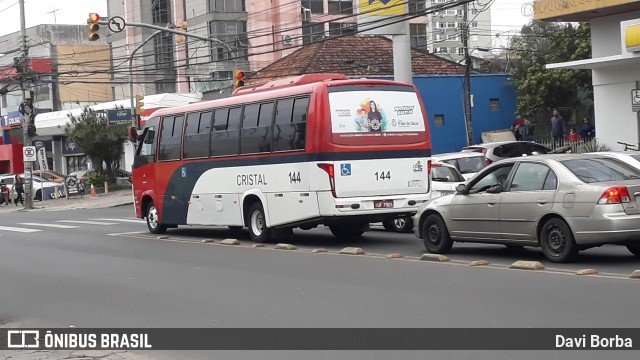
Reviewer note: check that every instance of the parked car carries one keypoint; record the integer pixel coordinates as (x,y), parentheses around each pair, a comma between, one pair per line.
(40,186)
(561,203)
(49,175)
(500,150)
(630,157)
(444,179)
(467,162)
(83,175)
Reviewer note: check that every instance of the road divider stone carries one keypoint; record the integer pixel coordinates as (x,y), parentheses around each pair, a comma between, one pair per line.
(394,256)
(257,245)
(207,241)
(352,251)
(434,257)
(479,263)
(162,237)
(321,250)
(527,265)
(635,274)
(587,272)
(285,247)
(230,242)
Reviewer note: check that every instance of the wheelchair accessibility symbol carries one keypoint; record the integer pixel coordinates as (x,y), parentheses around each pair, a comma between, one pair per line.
(345,169)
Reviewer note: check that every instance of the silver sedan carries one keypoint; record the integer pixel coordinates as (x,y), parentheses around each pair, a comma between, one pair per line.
(561,203)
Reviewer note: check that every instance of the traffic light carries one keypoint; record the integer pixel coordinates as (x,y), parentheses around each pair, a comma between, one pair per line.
(139,104)
(238,79)
(181,26)
(93,27)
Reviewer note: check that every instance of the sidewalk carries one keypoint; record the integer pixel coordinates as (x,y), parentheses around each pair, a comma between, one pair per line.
(113,198)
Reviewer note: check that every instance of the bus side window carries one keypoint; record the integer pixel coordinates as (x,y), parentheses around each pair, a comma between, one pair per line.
(146,152)
(289,130)
(256,128)
(196,135)
(170,138)
(224,138)
(300,111)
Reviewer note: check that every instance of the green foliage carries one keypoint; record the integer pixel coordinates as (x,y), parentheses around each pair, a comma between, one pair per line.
(541,43)
(101,142)
(97,179)
(593,146)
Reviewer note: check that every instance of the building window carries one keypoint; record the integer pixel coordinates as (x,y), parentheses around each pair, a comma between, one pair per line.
(418,35)
(165,86)
(340,7)
(312,32)
(232,33)
(416,5)
(160,11)
(164,51)
(438,119)
(494,104)
(338,29)
(316,6)
(226,5)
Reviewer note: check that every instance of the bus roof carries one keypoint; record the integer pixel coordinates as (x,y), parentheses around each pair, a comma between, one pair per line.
(278,88)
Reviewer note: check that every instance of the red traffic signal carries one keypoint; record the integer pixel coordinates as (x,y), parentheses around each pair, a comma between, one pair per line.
(238,79)
(93,18)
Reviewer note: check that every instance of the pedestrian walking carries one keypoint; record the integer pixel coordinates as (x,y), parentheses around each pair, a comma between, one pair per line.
(19,187)
(557,128)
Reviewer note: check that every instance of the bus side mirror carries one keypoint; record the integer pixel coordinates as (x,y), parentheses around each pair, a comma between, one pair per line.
(133,134)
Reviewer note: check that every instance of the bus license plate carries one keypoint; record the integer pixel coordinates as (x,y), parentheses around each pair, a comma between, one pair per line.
(382,204)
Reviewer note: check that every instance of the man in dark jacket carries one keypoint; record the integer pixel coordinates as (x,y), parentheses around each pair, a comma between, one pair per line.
(557,128)
(19,188)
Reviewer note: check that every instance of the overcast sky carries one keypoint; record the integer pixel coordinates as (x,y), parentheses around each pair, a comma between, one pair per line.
(507,15)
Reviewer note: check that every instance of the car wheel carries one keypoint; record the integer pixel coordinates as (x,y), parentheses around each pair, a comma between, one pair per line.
(557,241)
(635,249)
(402,225)
(257,224)
(152,220)
(435,235)
(348,232)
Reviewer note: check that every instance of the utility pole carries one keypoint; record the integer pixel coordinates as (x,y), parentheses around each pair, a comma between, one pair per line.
(26,108)
(467,76)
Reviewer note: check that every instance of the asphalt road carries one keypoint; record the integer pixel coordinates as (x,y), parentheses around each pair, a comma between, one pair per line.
(109,272)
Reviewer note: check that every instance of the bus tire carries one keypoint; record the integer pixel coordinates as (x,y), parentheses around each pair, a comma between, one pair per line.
(257,224)
(346,231)
(152,220)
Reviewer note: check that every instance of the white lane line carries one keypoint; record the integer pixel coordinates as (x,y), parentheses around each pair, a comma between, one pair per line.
(58,226)
(124,220)
(86,222)
(17,229)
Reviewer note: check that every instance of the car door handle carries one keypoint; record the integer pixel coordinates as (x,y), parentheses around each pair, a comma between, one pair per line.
(491,203)
(542,202)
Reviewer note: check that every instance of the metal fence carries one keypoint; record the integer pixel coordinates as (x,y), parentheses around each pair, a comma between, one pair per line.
(576,146)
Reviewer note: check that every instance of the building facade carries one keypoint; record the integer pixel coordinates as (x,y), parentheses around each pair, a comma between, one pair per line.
(614,64)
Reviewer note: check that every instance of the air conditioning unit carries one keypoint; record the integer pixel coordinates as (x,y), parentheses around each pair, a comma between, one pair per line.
(288,40)
(441,15)
(306,14)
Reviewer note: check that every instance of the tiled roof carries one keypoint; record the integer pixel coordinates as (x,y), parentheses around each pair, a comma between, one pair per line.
(351,56)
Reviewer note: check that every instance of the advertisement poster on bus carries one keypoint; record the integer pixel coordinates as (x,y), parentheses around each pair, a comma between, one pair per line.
(376,118)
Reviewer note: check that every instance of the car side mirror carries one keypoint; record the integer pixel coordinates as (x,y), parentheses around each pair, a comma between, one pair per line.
(495,189)
(461,188)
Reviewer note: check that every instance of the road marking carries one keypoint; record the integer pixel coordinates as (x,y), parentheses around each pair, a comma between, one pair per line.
(17,229)
(127,233)
(137,221)
(86,222)
(59,226)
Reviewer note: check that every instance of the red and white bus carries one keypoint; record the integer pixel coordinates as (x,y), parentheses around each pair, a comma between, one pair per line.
(298,152)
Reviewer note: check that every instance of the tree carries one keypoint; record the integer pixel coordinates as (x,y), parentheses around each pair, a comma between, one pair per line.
(101,142)
(541,43)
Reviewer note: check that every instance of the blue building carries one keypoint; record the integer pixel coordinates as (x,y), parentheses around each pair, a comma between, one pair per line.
(493,107)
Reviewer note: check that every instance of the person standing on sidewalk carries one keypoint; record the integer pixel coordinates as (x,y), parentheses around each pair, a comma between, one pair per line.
(19,187)
(557,128)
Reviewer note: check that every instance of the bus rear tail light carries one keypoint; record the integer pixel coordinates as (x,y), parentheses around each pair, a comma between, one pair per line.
(615,195)
(328,168)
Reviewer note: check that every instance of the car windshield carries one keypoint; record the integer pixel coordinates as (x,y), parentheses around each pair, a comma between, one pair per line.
(599,170)
(469,165)
(445,174)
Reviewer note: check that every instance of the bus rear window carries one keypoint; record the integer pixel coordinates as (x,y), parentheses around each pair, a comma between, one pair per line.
(376,117)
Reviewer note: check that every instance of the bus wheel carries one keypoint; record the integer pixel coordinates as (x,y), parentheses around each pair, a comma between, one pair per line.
(152,220)
(257,224)
(346,231)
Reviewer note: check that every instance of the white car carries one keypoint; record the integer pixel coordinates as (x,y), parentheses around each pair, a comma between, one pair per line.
(630,157)
(40,186)
(444,180)
(467,162)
